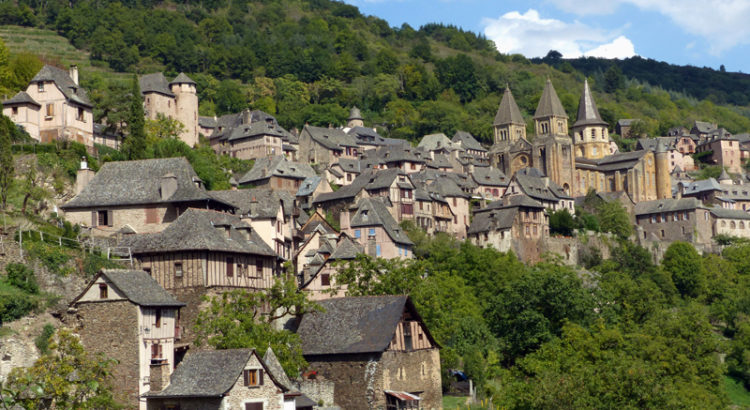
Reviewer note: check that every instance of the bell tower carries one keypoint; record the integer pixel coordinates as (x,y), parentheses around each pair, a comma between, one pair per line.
(550,117)
(590,133)
(509,125)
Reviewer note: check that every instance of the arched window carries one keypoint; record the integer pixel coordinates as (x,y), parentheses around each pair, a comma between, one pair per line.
(732,225)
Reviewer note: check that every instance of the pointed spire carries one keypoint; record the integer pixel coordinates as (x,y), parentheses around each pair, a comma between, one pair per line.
(549,104)
(724,178)
(182,78)
(508,112)
(355,114)
(273,364)
(588,114)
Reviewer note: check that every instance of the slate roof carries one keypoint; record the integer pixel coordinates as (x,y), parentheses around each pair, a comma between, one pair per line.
(440,161)
(651,143)
(155,83)
(139,182)
(620,160)
(496,219)
(61,78)
(257,202)
(209,373)
(21,98)
(207,122)
(309,185)
(274,366)
(549,104)
(139,287)
(508,112)
(278,166)
(352,325)
(373,212)
(434,142)
(254,129)
(534,184)
(725,213)
(355,114)
(196,229)
(704,185)
(346,249)
(395,153)
(703,127)
(489,176)
(666,205)
(626,122)
(331,138)
(588,114)
(467,141)
(182,78)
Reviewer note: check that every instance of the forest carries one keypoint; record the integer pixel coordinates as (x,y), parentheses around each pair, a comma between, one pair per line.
(309,61)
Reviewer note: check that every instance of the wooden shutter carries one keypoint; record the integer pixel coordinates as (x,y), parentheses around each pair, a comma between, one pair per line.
(230,267)
(260,379)
(94,218)
(110,219)
(246,376)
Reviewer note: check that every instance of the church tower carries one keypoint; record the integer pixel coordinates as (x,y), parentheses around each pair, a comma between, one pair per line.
(509,124)
(663,179)
(186,107)
(590,133)
(550,117)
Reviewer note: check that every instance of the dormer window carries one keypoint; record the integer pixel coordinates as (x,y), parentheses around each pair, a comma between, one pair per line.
(103,291)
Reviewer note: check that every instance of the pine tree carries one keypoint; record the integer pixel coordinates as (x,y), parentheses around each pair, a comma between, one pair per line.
(134,145)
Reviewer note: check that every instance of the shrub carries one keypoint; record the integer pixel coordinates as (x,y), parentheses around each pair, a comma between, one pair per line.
(22,277)
(42,341)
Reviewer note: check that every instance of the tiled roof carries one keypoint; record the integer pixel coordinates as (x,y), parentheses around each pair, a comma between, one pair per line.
(278,166)
(467,141)
(155,83)
(182,78)
(508,112)
(433,142)
(666,205)
(309,185)
(373,212)
(331,138)
(352,325)
(534,184)
(201,230)
(61,78)
(489,176)
(588,114)
(725,213)
(139,182)
(21,98)
(549,104)
(258,202)
(496,219)
(140,288)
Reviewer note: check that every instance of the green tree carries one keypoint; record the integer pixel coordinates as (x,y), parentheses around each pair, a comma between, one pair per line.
(683,262)
(561,222)
(22,277)
(66,378)
(7,168)
(163,127)
(614,218)
(613,79)
(241,319)
(366,275)
(134,145)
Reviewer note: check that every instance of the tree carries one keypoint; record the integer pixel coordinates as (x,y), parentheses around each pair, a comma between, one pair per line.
(561,222)
(66,378)
(242,319)
(7,169)
(134,145)
(684,263)
(163,127)
(614,218)
(613,79)
(366,275)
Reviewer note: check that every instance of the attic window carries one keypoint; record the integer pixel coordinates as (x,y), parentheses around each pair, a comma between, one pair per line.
(253,377)
(103,291)
(41,87)
(178,269)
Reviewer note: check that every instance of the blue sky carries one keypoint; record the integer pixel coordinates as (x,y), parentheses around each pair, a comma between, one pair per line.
(695,32)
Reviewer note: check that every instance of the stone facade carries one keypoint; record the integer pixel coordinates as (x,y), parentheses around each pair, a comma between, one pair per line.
(141,218)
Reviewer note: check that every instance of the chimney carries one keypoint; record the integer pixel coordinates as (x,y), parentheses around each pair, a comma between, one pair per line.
(83,176)
(246,116)
(344,222)
(74,73)
(159,376)
(168,186)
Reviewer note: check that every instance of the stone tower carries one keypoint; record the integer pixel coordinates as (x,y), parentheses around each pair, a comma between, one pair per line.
(355,118)
(509,124)
(663,179)
(550,117)
(590,133)
(186,107)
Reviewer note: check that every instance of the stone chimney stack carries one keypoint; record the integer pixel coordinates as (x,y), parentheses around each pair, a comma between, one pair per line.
(84,175)
(246,120)
(74,73)
(159,377)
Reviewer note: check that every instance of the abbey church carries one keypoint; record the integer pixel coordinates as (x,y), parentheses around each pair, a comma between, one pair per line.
(588,160)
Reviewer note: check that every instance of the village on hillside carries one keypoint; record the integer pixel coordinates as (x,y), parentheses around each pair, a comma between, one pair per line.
(319,197)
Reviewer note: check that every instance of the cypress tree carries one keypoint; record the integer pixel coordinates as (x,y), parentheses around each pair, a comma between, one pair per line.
(134,146)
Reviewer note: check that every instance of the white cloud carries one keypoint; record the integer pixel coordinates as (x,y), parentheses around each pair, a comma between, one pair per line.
(621,47)
(533,36)
(722,22)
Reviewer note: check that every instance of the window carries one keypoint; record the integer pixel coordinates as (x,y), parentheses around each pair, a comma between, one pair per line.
(348,177)
(253,377)
(156,354)
(455,202)
(157,315)
(50,109)
(102,218)
(325,279)
(259,267)
(407,336)
(377,250)
(253,406)
(178,269)
(15,110)
(230,267)
(103,291)
(371,233)
(80,116)
(40,87)
(407,209)
(357,233)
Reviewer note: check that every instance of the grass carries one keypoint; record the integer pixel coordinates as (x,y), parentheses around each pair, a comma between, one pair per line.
(6,331)
(737,392)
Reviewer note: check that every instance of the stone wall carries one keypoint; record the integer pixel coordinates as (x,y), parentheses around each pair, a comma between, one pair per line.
(111,328)
(414,371)
(358,379)
(185,404)
(320,391)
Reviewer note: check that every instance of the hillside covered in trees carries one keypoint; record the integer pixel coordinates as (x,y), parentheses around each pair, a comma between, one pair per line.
(308,61)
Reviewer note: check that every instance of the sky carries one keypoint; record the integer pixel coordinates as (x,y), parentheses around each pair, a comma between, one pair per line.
(701,33)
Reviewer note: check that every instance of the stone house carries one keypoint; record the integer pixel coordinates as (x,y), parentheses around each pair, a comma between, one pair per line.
(176,99)
(678,150)
(668,220)
(204,252)
(377,350)
(223,379)
(368,138)
(375,229)
(319,260)
(467,142)
(271,214)
(446,187)
(491,183)
(53,106)
(623,126)
(517,223)
(531,182)
(432,212)
(127,316)
(319,145)
(309,189)
(724,194)
(731,222)
(277,173)
(702,129)
(724,151)
(248,135)
(137,196)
